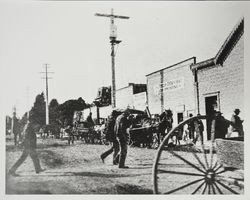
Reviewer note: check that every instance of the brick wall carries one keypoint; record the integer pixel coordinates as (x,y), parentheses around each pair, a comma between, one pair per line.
(227,79)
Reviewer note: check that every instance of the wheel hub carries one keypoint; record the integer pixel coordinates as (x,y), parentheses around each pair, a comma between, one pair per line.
(210,177)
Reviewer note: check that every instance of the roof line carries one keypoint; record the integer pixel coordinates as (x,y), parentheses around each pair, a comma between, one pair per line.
(203,64)
(230,41)
(194,58)
(225,49)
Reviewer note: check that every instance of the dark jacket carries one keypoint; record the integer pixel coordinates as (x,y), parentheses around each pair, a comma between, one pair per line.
(121,125)
(219,127)
(237,123)
(29,137)
(109,129)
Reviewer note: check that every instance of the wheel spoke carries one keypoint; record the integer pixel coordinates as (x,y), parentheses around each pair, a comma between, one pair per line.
(228,188)
(184,186)
(209,189)
(198,159)
(216,164)
(198,187)
(180,173)
(217,187)
(191,164)
(213,189)
(220,166)
(221,171)
(204,153)
(211,155)
(204,190)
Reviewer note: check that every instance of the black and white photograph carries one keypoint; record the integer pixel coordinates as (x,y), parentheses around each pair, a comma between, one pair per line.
(144,98)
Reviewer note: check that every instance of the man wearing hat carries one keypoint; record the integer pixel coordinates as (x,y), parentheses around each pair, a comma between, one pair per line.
(121,126)
(110,136)
(219,126)
(238,127)
(29,149)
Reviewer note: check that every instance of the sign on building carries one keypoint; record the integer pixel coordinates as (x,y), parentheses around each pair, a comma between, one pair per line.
(169,86)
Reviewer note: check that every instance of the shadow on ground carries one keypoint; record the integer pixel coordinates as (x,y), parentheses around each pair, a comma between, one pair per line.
(89,174)
(50,158)
(131,189)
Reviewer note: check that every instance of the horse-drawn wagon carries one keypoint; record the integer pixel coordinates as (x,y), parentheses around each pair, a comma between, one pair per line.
(86,132)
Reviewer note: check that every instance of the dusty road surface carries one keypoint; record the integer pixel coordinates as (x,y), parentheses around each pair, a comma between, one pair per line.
(78,169)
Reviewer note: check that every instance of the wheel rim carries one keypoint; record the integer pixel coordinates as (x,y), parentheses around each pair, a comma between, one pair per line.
(189,172)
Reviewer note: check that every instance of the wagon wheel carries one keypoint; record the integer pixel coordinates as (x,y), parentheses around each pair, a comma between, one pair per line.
(187,169)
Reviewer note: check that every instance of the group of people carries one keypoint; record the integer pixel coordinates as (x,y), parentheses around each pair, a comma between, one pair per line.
(193,130)
(118,134)
(220,126)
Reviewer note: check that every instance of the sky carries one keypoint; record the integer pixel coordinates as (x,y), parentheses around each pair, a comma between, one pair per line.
(75,44)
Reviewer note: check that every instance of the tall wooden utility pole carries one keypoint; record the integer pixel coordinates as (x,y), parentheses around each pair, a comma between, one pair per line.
(113,41)
(27,101)
(47,91)
(13,120)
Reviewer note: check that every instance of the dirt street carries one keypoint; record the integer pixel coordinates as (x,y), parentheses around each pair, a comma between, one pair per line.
(78,169)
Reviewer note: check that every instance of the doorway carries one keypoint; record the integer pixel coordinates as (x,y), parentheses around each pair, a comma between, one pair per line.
(179,117)
(211,103)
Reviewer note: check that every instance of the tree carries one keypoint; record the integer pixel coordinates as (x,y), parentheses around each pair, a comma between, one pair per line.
(68,108)
(54,112)
(54,115)
(23,120)
(37,112)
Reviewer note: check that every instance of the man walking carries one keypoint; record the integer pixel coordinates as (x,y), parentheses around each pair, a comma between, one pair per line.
(121,125)
(110,136)
(29,149)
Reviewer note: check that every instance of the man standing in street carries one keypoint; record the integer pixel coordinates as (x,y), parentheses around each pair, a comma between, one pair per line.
(121,126)
(90,120)
(29,149)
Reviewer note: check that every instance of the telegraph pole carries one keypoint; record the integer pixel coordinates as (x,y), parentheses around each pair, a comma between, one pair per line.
(47,90)
(27,101)
(113,42)
(13,119)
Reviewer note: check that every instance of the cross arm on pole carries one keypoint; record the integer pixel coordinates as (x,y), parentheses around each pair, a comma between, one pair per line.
(112,16)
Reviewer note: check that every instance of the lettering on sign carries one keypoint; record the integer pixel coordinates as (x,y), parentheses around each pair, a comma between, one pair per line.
(169,86)
(173,84)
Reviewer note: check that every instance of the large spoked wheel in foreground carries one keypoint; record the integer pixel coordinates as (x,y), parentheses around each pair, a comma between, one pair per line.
(191,169)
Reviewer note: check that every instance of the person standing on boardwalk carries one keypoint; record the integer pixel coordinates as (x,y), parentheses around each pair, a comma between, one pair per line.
(29,144)
(111,137)
(238,127)
(121,126)
(198,130)
(191,128)
(219,128)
